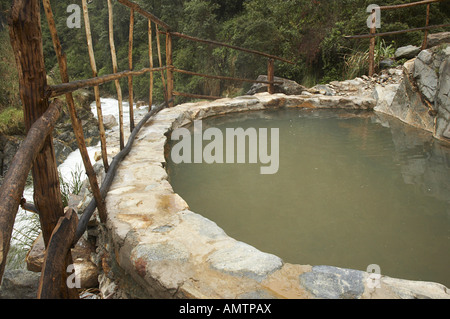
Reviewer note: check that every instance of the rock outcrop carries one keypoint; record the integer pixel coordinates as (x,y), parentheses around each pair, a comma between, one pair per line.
(421,98)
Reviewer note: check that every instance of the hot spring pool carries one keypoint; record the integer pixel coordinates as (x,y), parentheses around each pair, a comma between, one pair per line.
(352,189)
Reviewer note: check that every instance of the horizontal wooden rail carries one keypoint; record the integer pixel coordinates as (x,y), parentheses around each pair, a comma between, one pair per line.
(188,37)
(369,35)
(407,5)
(148,15)
(60,89)
(13,185)
(197,96)
(219,77)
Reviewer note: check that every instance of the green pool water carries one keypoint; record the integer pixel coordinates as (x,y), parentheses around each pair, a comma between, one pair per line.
(352,189)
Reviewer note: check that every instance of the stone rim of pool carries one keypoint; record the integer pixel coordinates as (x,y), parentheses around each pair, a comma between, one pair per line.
(172,252)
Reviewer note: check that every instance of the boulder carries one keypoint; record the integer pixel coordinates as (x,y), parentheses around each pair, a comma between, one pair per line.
(85,270)
(386,64)
(438,38)
(19,284)
(407,52)
(287,87)
(109,121)
(426,77)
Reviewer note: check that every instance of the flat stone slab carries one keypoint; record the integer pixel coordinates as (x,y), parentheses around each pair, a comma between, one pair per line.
(172,252)
(245,261)
(334,283)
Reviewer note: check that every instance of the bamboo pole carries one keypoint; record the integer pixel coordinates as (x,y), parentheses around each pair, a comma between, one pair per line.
(150,57)
(427,22)
(169,63)
(130,66)
(270,76)
(98,104)
(115,69)
(14,182)
(63,88)
(76,123)
(158,44)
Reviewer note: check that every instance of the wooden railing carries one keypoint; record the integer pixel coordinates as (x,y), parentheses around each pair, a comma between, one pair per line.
(373,30)
(62,230)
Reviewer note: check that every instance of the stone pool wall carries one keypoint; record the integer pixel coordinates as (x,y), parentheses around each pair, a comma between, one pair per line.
(153,246)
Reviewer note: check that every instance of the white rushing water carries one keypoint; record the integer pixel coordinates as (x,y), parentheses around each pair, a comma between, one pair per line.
(73,163)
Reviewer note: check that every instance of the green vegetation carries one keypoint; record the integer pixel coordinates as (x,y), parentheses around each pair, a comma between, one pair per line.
(72,186)
(11,121)
(25,235)
(308,32)
(11,114)
(23,239)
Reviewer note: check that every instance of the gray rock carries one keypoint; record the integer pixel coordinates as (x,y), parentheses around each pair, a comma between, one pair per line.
(426,78)
(438,38)
(19,284)
(243,260)
(323,89)
(386,64)
(333,283)
(287,87)
(425,56)
(407,52)
(443,101)
(109,121)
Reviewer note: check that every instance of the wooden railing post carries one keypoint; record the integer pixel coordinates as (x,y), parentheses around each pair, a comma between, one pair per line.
(427,22)
(76,122)
(373,30)
(26,40)
(98,104)
(163,79)
(115,70)
(270,76)
(150,57)
(130,66)
(169,63)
